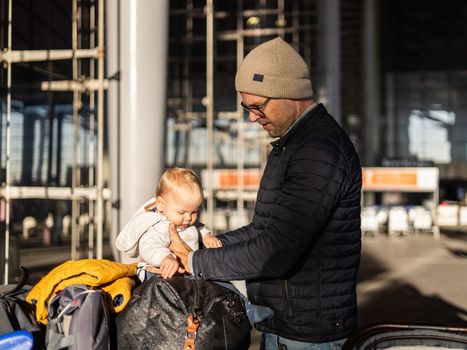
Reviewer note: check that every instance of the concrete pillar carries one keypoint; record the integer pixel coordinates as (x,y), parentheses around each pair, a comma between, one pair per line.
(328,86)
(137,49)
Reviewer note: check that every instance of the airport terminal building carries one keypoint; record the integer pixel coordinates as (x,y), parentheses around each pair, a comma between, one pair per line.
(98,97)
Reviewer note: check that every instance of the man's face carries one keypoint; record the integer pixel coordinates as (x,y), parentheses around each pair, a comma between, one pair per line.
(276,116)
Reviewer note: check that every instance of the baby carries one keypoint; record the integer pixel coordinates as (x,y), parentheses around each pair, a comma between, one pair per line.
(146,236)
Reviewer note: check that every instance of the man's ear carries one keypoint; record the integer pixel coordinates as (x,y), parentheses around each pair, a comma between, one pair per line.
(160,203)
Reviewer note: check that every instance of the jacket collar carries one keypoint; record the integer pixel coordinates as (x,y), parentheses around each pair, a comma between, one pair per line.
(282,141)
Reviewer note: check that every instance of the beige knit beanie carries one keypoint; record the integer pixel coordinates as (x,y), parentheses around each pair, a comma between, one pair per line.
(274,69)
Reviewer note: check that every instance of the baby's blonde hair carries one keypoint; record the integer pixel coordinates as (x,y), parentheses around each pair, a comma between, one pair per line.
(176,178)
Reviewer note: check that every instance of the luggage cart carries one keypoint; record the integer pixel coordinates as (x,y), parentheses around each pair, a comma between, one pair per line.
(407,336)
(424,180)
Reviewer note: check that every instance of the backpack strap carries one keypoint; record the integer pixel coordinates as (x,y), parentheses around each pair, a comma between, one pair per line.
(58,341)
(23,280)
(191,332)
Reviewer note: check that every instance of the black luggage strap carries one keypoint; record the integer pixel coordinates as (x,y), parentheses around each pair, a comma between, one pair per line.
(23,280)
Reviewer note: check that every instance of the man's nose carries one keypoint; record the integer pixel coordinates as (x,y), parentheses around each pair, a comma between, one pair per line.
(253,117)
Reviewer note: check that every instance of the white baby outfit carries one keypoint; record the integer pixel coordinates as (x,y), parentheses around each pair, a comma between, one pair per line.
(146,236)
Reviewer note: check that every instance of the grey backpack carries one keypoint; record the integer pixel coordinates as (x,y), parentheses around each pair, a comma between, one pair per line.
(79,319)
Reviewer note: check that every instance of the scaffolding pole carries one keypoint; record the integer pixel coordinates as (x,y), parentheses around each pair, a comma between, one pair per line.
(210,106)
(75,176)
(55,193)
(240,124)
(100,131)
(91,135)
(8,151)
(21,56)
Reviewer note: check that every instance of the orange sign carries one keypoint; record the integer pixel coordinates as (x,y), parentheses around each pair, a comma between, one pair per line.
(389,178)
(232,179)
(399,178)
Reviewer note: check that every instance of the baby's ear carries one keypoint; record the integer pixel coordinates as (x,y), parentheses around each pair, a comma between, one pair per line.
(160,203)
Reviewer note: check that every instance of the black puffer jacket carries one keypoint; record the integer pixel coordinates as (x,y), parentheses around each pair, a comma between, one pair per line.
(301,253)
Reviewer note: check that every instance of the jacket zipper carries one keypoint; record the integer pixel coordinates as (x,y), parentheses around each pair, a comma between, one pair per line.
(285,293)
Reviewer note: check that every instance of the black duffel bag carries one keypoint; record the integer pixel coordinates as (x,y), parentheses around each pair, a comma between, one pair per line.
(181,313)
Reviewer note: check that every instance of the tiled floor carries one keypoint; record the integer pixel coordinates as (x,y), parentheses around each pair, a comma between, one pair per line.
(414,279)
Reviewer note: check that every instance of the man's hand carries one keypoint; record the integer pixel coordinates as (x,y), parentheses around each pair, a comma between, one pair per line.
(179,248)
(211,241)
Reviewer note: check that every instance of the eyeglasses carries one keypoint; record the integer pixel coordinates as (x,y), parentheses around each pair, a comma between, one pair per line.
(258,110)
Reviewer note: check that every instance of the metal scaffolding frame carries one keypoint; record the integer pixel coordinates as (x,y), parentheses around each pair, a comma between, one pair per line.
(94,86)
(298,31)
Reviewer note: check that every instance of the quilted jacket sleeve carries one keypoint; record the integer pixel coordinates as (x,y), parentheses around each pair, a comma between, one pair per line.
(236,236)
(307,198)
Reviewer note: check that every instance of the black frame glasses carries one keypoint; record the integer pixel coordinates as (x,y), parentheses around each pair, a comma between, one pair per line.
(258,110)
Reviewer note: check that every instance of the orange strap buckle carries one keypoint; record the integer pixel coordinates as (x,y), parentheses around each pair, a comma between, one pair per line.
(191,332)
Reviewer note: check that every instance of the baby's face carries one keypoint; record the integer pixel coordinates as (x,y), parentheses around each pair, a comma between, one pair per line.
(181,207)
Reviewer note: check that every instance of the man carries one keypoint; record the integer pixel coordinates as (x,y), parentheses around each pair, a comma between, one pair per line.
(301,252)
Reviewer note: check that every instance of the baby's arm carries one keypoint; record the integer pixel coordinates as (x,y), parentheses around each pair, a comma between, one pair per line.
(154,246)
(209,240)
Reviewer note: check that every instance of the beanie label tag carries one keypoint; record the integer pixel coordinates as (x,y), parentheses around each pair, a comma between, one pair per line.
(258,77)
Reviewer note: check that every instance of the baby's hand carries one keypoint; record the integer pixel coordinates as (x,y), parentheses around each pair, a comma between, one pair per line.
(211,241)
(169,266)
